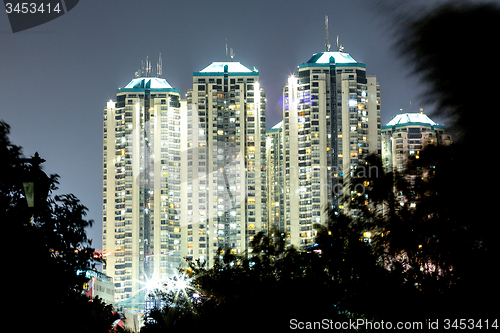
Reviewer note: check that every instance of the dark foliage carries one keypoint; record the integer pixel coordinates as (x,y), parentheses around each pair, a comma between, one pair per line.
(418,265)
(448,47)
(44,248)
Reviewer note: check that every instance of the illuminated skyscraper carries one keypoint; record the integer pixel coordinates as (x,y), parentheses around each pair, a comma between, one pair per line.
(141,184)
(406,135)
(226,163)
(331,116)
(402,140)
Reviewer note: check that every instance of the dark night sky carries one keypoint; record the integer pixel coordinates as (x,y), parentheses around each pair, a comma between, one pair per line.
(55,79)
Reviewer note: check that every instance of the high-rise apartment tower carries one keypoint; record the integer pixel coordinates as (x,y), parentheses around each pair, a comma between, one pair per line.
(226,161)
(141,184)
(331,121)
(406,135)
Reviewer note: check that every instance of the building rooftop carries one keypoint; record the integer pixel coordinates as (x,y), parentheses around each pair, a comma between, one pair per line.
(326,58)
(408,119)
(278,125)
(152,83)
(149,82)
(275,128)
(233,67)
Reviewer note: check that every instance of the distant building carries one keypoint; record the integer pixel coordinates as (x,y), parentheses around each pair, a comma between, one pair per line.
(275,178)
(406,135)
(99,285)
(225,203)
(403,138)
(331,121)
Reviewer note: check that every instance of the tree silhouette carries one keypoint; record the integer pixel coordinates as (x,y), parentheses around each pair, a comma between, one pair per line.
(437,44)
(44,247)
(447,48)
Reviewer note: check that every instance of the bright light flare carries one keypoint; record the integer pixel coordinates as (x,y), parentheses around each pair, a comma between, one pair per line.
(181,285)
(178,283)
(151,285)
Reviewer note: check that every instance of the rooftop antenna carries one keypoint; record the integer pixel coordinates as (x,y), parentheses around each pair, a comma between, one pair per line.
(226,49)
(141,71)
(340,48)
(159,67)
(148,67)
(421,110)
(231,53)
(327,44)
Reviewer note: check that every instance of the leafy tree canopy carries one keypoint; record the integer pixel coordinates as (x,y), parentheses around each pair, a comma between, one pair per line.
(44,247)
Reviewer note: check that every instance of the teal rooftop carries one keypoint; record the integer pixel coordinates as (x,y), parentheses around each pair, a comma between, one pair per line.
(149,82)
(324,58)
(327,58)
(231,67)
(409,119)
(276,128)
(278,125)
(152,83)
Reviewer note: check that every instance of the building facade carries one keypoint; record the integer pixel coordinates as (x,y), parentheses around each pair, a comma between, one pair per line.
(402,139)
(226,161)
(275,178)
(406,135)
(141,185)
(331,121)
(99,285)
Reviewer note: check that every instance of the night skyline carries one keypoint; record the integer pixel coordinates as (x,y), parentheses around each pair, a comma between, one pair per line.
(56,78)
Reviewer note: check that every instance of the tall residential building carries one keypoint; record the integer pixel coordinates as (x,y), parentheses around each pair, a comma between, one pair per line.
(406,135)
(402,139)
(226,161)
(275,178)
(141,184)
(331,114)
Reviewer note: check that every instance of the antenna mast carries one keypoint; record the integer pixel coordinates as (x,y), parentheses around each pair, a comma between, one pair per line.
(226,49)
(148,67)
(340,48)
(159,66)
(327,44)
(142,71)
